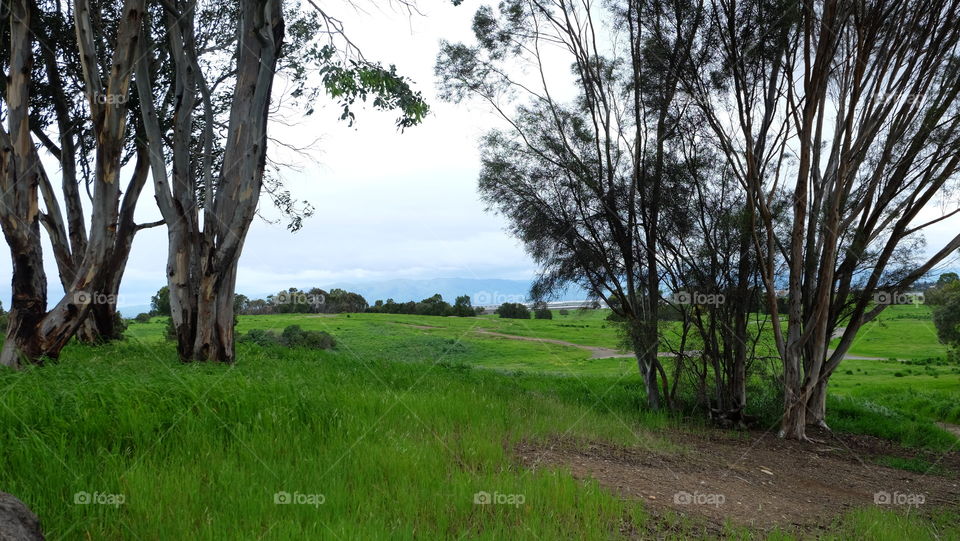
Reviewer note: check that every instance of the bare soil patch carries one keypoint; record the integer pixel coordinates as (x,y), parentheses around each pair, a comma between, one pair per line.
(754,480)
(421,327)
(596,352)
(953,429)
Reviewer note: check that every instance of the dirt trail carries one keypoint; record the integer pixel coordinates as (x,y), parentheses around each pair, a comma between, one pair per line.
(953,429)
(601,352)
(421,327)
(838,333)
(763,482)
(596,352)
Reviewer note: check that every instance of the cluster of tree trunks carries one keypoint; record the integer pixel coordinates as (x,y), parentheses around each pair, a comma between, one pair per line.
(35,332)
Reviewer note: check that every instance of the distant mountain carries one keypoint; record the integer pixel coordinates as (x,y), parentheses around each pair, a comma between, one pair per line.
(133,310)
(482,292)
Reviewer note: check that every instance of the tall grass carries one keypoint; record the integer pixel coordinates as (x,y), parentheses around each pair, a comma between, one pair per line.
(398,450)
(199,451)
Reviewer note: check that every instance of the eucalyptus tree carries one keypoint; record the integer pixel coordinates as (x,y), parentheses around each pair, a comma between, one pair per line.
(34,332)
(208,165)
(583,181)
(58,120)
(849,110)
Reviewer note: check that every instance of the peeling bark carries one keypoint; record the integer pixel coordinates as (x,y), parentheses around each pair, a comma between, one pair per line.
(202,257)
(35,333)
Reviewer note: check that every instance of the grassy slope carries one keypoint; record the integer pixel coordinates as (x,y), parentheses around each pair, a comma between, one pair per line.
(923,387)
(397,448)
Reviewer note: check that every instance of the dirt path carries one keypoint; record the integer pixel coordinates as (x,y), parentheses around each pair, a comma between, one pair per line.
(601,352)
(421,327)
(596,352)
(858,357)
(953,429)
(838,333)
(761,482)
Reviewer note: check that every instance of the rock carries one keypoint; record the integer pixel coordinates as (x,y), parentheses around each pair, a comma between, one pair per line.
(17,521)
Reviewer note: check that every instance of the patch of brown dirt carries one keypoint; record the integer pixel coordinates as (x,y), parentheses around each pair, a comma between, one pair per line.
(421,327)
(953,429)
(596,351)
(759,482)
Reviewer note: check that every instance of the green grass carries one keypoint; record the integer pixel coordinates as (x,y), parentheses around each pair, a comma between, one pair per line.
(397,449)
(900,332)
(397,428)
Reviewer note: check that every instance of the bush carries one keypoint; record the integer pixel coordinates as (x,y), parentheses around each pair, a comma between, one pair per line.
(295,337)
(171,333)
(142,317)
(513,310)
(564,312)
(543,313)
(292,337)
(260,337)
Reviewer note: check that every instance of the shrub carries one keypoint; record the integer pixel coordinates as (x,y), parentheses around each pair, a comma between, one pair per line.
(171,333)
(292,337)
(513,310)
(260,337)
(564,312)
(142,317)
(295,337)
(543,313)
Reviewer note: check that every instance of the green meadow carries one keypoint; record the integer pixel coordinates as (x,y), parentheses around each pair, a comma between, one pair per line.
(392,434)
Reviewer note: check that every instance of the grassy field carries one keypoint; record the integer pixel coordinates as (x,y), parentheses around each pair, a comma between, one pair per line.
(398,429)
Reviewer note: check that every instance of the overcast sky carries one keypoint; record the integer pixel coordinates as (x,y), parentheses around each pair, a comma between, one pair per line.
(388,205)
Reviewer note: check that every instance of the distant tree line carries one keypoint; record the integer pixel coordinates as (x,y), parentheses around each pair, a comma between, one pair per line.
(431,306)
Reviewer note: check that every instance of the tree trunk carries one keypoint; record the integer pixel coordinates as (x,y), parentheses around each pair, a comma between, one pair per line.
(28,307)
(738,385)
(202,261)
(644,350)
(793,424)
(183,298)
(214,340)
(817,404)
